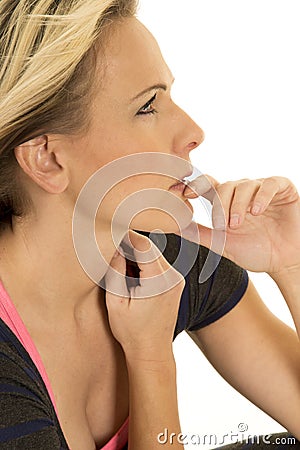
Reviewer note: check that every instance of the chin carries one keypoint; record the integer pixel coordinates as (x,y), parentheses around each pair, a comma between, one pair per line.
(156,220)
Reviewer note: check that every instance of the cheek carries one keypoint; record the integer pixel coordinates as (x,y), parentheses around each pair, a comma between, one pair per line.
(128,196)
(115,139)
(144,203)
(126,138)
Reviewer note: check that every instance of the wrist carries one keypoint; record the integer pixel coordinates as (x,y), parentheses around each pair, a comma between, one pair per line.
(289,276)
(158,374)
(155,350)
(145,360)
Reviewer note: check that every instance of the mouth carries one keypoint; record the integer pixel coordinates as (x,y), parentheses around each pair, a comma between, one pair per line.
(181,184)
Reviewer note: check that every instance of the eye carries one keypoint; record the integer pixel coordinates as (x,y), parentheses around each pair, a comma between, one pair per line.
(148,107)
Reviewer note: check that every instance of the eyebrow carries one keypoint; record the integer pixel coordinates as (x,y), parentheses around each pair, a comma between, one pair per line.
(163,87)
(156,87)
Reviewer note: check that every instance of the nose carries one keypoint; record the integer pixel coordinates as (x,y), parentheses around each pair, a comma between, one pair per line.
(188,134)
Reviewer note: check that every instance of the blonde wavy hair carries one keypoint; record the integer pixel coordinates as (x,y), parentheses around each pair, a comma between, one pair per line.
(46,75)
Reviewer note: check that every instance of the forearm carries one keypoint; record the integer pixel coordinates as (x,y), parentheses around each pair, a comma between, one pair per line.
(288,282)
(153,404)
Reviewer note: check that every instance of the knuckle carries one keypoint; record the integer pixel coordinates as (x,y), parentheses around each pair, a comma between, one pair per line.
(211,180)
(136,240)
(175,273)
(177,277)
(244,184)
(150,257)
(221,188)
(229,183)
(180,285)
(270,182)
(247,185)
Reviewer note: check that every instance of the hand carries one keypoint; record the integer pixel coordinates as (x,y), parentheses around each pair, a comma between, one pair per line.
(261,219)
(143,318)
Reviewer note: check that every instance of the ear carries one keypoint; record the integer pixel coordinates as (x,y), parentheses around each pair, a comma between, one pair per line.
(39,159)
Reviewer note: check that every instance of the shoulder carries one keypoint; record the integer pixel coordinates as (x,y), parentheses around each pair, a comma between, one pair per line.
(214,284)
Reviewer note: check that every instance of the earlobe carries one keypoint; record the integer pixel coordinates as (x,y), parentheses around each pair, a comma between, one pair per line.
(38,160)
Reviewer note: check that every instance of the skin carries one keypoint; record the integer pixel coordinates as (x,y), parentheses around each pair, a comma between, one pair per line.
(55,169)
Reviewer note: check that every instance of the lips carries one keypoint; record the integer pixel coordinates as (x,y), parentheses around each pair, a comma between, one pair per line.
(180,187)
(181,184)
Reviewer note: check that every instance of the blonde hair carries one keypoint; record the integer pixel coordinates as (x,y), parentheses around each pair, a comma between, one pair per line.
(46,75)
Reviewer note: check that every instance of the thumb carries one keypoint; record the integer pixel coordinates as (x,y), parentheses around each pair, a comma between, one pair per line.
(202,186)
(115,278)
(199,234)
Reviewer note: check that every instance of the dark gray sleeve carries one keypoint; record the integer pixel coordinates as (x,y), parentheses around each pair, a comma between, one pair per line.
(202,303)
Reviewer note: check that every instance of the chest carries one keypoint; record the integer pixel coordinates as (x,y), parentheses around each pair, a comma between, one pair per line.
(89,380)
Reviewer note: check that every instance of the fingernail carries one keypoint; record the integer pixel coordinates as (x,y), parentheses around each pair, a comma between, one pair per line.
(256,209)
(235,220)
(189,193)
(219,223)
(118,252)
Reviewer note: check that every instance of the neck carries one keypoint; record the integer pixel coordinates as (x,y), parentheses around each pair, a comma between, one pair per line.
(40,269)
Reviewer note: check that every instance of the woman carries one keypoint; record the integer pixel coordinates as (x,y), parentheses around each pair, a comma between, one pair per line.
(83,84)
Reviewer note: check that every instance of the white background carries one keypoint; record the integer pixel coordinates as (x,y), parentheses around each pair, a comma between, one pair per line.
(236,64)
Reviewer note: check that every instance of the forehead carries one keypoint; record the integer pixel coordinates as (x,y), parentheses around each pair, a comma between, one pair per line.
(132,59)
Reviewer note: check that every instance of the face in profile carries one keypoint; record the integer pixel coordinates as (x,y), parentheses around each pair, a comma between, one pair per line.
(133,114)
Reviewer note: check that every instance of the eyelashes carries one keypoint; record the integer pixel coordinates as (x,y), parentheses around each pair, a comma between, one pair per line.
(148,108)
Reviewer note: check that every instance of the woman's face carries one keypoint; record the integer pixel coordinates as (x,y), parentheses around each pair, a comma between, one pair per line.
(133,113)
